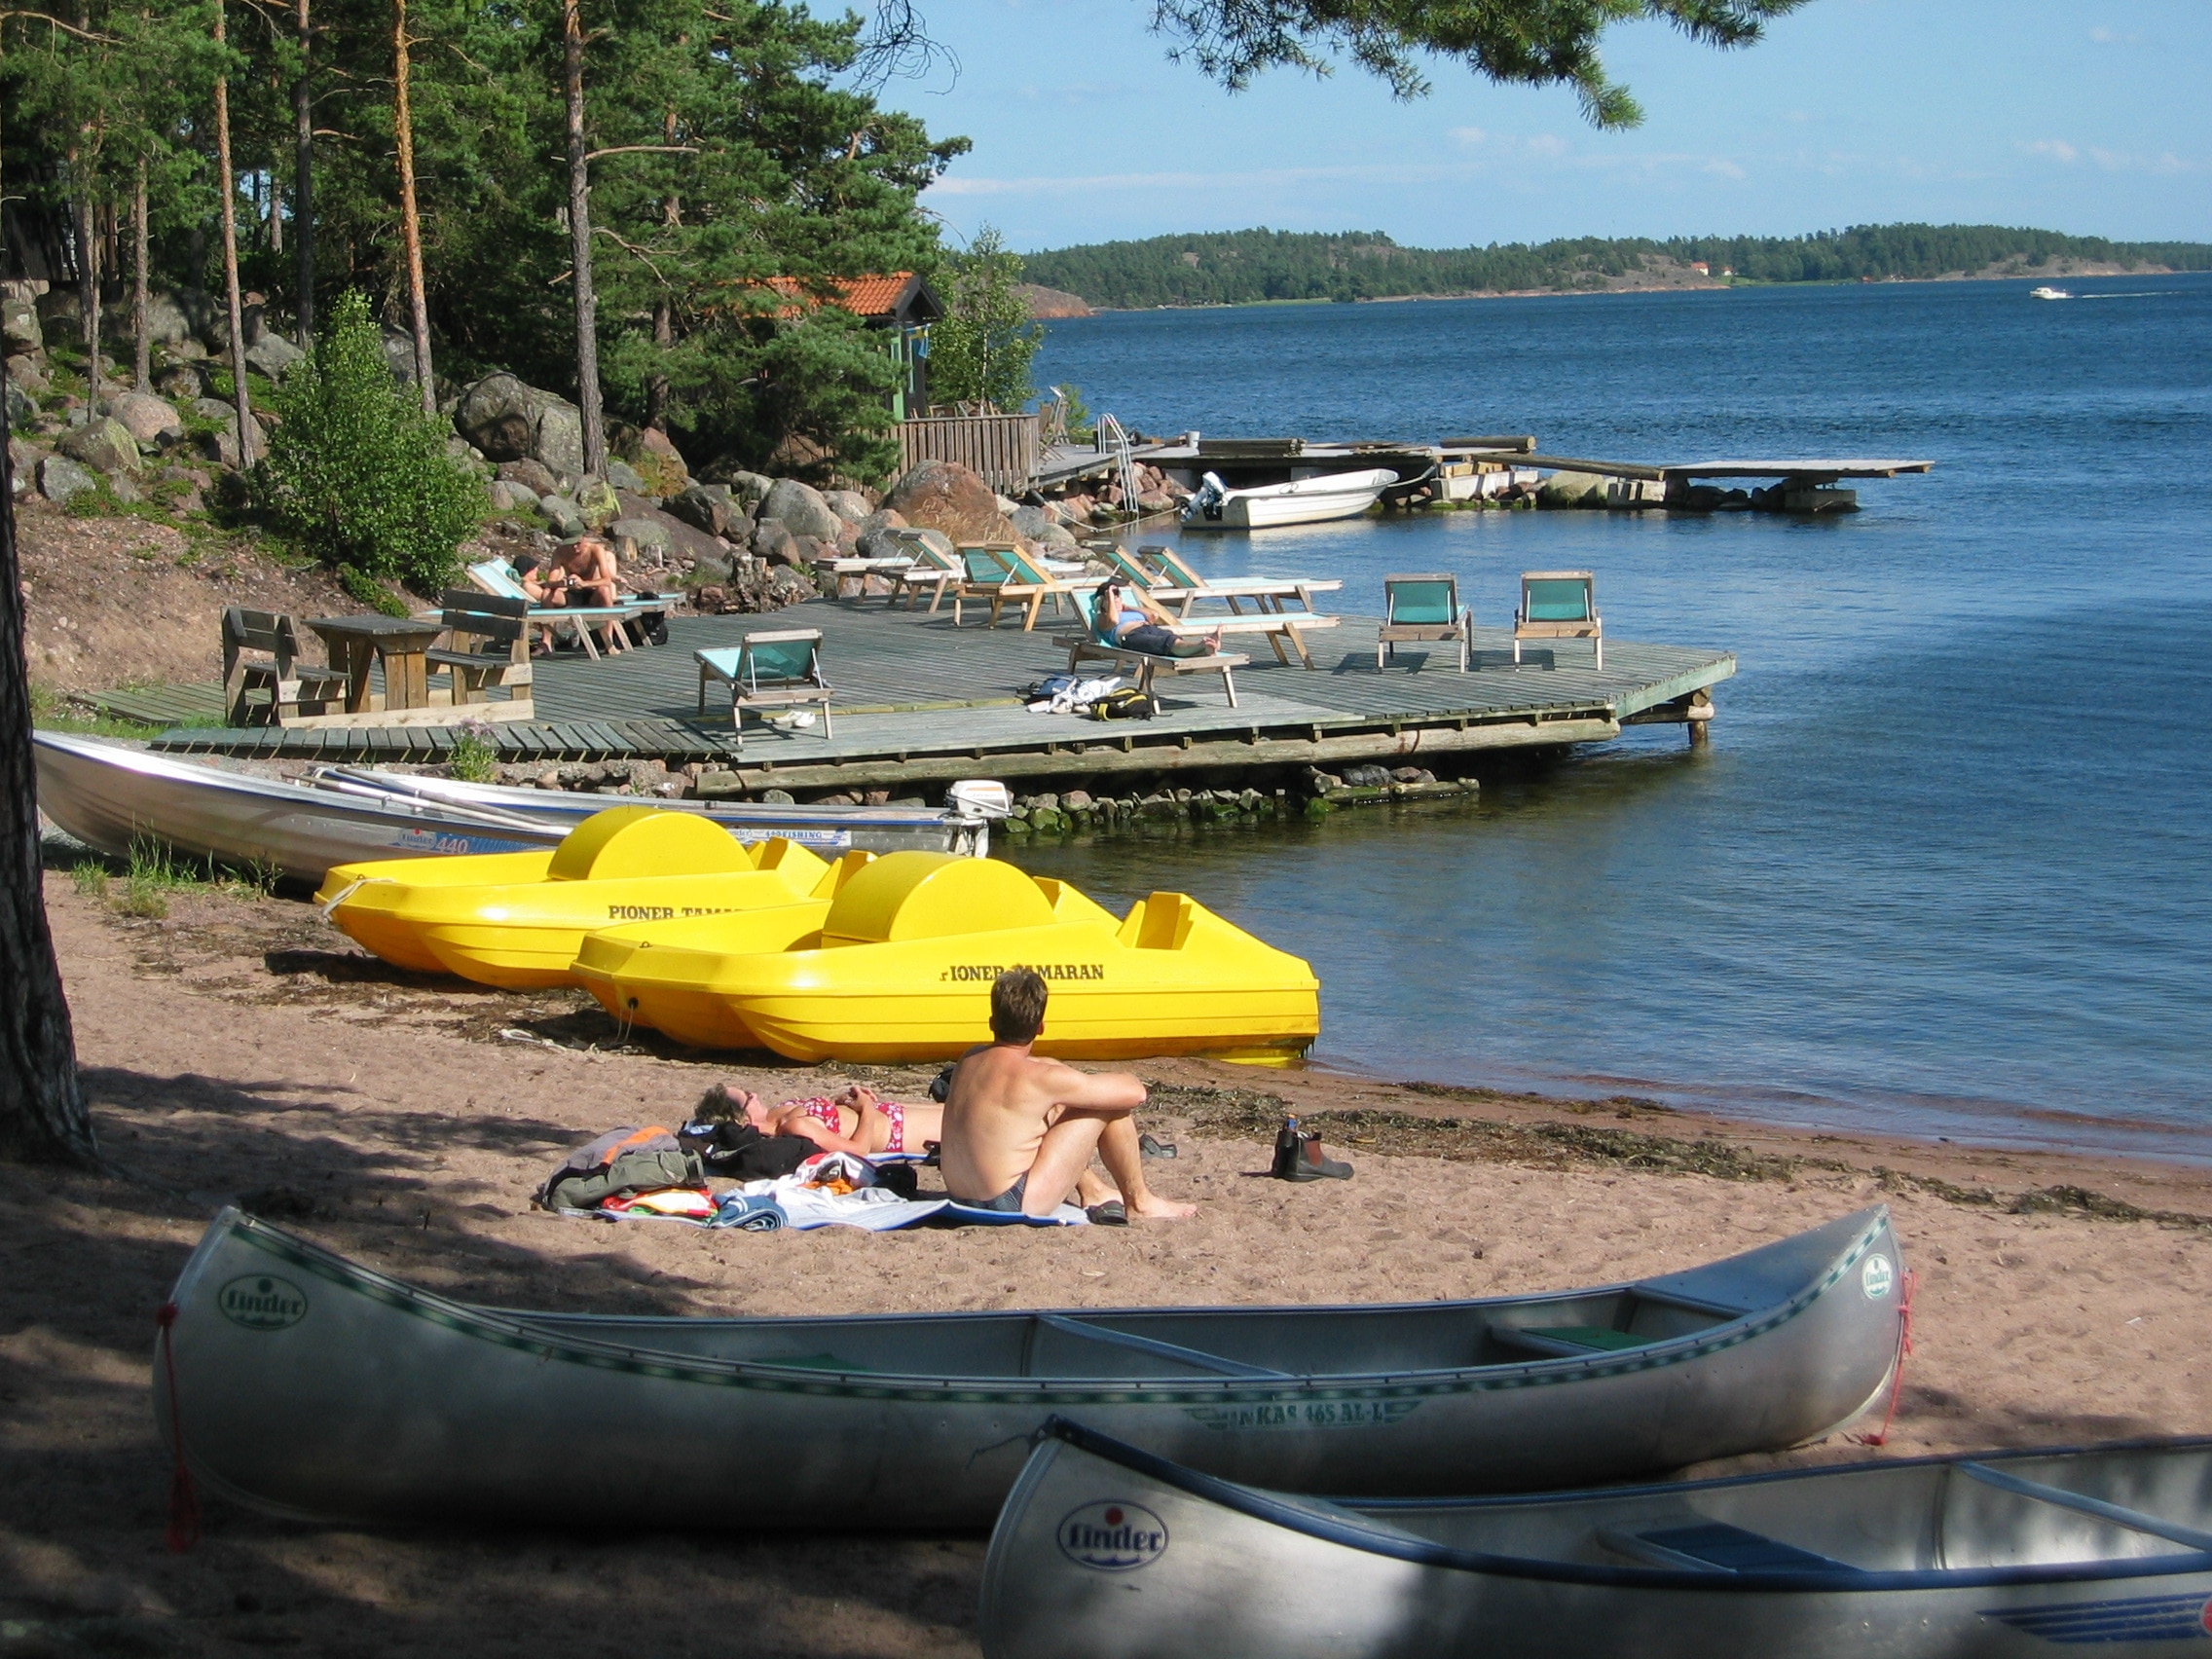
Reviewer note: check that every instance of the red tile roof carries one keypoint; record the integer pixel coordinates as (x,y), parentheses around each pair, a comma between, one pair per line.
(862,296)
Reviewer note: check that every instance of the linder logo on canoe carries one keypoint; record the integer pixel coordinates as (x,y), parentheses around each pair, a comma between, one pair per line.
(1877,1276)
(1113,1537)
(261,1302)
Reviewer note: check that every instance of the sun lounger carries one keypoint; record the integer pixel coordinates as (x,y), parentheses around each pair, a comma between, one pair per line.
(774,669)
(1423,610)
(496,578)
(1558,605)
(1180,583)
(1003,574)
(1099,646)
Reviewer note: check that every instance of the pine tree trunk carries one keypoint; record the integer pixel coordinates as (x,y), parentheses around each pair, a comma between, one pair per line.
(88,277)
(302,184)
(664,309)
(141,324)
(41,1106)
(275,213)
(580,240)
(410,220)
(249,437)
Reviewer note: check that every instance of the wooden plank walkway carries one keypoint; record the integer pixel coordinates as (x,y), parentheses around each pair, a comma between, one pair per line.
(920,702)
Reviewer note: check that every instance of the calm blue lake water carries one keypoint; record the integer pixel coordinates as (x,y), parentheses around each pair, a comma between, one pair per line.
(1946,867)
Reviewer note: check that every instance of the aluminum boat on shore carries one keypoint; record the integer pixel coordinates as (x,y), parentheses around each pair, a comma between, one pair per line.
(296,1381)
(110,796)
(1106,1552)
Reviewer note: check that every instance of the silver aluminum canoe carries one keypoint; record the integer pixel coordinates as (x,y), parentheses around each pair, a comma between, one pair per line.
(1106,1552)
(313,1386)
(108,797)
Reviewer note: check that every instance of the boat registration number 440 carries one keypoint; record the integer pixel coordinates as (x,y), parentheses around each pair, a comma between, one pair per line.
(986,973)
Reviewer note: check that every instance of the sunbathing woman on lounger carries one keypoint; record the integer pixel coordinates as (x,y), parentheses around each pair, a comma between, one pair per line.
(857,1120)
(1141,623)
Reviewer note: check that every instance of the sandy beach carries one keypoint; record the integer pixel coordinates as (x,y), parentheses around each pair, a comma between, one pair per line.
(241,1046)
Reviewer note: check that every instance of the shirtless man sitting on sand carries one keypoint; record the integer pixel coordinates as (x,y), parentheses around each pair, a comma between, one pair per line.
(1019,1131)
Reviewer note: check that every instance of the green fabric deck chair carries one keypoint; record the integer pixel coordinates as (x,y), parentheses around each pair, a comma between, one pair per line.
(496,578)
(1558,605)
(1003,574)
(931,569)
(774,669)
(1423,608)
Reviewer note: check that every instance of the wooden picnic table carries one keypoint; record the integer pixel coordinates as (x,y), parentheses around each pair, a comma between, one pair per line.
(403,643)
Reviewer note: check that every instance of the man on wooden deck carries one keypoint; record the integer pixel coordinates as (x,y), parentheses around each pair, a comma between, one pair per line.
(1019,1131)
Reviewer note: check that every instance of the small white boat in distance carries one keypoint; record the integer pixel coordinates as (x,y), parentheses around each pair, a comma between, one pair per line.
(2048,294)
(1306,501)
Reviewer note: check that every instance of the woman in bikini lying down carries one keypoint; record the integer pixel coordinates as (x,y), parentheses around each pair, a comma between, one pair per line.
(859,1121)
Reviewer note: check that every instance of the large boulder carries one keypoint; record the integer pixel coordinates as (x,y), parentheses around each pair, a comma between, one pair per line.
(146,416)
(19,324)
(28,372)
(22,466)
(623,476)
(561,513)
(534,476)
(272,354)
(772,540)
(167,322)
(658,462)
(706,507)
(22,407)
(105,443)
(60,478)
(800,509)
(850,506)
(510,420)
(943,495)
(686,540)
(653,541)
(596,503)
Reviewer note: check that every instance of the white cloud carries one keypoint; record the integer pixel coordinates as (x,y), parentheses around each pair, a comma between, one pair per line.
(2057,149)
(1721,168)
(1545,145)
(1471,137)
(2112,37)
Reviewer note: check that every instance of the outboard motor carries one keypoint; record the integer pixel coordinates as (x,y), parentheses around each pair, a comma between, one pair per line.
(1206,504)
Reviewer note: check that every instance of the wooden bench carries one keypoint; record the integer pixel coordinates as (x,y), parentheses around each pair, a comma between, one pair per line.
(261,652)
(487,644)
(1082,648)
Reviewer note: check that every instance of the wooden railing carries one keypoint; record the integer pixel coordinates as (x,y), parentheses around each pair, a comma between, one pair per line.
(1003,448)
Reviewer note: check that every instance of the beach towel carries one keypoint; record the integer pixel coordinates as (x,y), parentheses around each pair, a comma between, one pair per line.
(837,1189)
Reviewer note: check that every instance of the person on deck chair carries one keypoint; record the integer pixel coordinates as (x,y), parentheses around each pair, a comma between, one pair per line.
(1136,621)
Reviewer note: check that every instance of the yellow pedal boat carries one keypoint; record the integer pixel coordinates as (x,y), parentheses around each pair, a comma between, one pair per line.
(517,920)
(900,968)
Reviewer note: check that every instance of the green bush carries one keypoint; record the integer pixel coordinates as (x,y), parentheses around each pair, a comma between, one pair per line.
(356,473)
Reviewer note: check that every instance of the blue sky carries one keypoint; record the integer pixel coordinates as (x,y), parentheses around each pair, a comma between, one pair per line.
(2090,117)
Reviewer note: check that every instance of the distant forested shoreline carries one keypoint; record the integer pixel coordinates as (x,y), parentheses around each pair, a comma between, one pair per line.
(1249,267)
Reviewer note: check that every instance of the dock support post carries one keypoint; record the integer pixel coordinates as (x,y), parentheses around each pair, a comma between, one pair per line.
(1697,715)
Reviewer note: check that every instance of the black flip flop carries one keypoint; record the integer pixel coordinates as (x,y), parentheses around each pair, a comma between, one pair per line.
(1151,1146)
(1112,1213)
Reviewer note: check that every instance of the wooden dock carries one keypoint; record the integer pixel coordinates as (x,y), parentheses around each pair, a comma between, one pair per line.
(921,704)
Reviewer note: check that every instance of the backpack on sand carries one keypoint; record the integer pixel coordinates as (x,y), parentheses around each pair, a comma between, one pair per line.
(628,1159)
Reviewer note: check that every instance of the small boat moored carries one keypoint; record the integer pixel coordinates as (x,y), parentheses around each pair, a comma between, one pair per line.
(900,968)
(315,1387)
(2048,294)
(516,920)
(1107,1552)
(1303,501)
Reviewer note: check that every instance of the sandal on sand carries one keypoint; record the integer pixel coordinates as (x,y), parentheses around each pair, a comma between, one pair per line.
(1112,1213)
(1152,1146)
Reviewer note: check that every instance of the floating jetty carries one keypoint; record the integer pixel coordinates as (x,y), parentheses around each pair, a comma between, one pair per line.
(920,704)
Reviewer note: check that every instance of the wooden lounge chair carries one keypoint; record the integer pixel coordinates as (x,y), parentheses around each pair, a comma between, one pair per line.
(1188,585)
(931,569)
(1420,608)
(487,644)
(1558,605)
(776,670)
(1099,646)
(1000,572)
(264,682)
